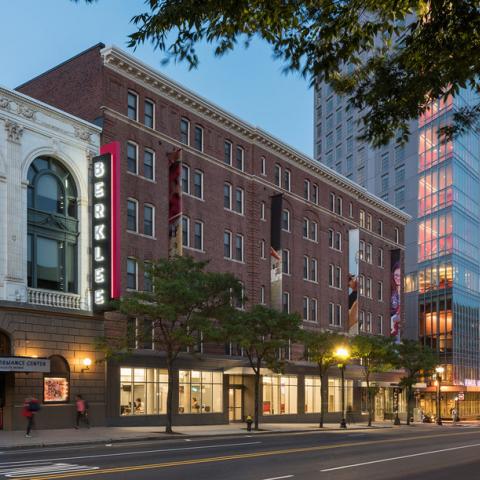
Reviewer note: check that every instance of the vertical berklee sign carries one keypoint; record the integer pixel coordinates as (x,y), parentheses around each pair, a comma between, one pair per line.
(175,244)
(276,252)
(395,294)
(353,273)
(105,227)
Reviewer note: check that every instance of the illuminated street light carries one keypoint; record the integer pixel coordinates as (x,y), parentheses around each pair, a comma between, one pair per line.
(343,354)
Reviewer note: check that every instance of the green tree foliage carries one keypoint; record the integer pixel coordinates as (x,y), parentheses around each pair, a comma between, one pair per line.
(262,332)
(376,354)
(184,303)
(416,361)
(320,349)
(400,54)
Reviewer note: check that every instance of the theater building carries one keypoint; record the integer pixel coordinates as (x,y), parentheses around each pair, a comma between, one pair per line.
(337,251)
(47,330)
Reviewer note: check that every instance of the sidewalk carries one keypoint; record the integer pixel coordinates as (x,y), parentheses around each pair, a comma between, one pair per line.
(99,435)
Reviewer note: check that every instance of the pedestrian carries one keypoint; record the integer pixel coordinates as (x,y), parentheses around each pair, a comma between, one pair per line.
(30,407)
(81,406)
(350,415)
(249,421)
(454,416)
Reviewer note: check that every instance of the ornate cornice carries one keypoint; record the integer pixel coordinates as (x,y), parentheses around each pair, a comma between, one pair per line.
(139,72)
(14,131)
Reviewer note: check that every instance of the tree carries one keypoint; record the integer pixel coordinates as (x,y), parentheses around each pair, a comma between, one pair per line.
(391,58)
(320,349)
(376,355)
(182,305)
(262,332)
(416,360)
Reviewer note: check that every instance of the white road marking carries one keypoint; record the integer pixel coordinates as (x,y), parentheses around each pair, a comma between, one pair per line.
(121,454)
(400,457)
(278,478)
(55,468)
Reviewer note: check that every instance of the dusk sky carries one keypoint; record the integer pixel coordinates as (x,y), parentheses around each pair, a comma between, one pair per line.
(39,34)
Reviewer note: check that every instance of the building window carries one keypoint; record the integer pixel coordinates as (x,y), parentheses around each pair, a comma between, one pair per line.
(143,391)
(200,391)
(361,285)
(227,152)
(239,247)
(338,277)
(262,295)
(368,253)
(184,131)
(262,166)
(338,241)
(334,315)
(397,235)
(306,189)
(286,220)
(287,179)
(361,250)
(380,291)
(131,274)
(380,257)
(198,235)
(286,262)
(368,288)
(313,310)
(227,244)
(331,271)
(313,231)
(132,106)
(380,227)
(262,211)
(147,277)
(385,162)
(132,208)
(350,210)
(239,194)
(305,308)
(132,156)
(149,164)
(185,179)
(280,394)
(149,114)
(53,231)
(56,383)
(384,185)
(227,196)
(362,218)
(400,197)
(331,204)
(185,231)
(198,184)
(277,175)
(305,267)
(315,194)
(380,324)
(286,302)
(361,321)
(262,249)
(240,158)
(339,205)
(313,270)
(305,227)
(198,138)
(369,222)
(148,220)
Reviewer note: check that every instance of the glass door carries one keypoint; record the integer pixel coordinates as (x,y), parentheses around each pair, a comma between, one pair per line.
(235,404)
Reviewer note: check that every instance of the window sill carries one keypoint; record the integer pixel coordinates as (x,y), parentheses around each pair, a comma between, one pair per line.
(234,211)
(315,282)
(142,235)
(193,196)
(335,288)
(194,249)
(242,262)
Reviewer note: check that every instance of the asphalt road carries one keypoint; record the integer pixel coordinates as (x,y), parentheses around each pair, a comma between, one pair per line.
(422,452)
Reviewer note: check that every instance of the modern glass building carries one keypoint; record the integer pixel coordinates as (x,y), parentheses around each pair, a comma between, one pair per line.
(438,183)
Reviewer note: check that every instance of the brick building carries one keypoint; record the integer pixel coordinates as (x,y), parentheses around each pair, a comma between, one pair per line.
(230,170)
(47,330)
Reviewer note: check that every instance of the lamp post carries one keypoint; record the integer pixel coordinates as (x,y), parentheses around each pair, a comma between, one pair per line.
(343,355)
(439,371)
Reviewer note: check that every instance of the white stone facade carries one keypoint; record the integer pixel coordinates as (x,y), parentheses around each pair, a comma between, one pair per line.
(28,129)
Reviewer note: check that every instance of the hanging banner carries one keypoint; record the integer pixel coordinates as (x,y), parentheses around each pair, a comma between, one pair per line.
(395,297)
(105,220)
(276,252)
(175,244)
(353,272)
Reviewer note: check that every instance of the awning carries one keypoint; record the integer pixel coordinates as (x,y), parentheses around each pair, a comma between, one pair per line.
(247,371)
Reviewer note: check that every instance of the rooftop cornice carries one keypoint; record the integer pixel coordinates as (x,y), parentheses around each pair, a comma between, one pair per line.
(127,64)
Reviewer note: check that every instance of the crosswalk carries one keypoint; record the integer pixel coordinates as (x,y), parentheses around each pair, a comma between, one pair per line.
(17,470)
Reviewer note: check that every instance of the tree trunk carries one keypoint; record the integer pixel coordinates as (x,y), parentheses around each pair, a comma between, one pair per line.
(409,403)
(171,386)
(369,400)
(323,397)
(257,399)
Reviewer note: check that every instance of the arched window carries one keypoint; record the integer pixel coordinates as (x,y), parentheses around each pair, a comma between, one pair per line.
(56,384)
(52,226)
(5,345)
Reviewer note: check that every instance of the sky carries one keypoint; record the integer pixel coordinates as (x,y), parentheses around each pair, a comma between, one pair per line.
(248,83)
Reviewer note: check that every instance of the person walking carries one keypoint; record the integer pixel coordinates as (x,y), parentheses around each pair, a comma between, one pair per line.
(82,412)
(454,416)
(30,407)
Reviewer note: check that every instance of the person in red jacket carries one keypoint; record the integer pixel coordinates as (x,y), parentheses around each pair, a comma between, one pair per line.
(30,407)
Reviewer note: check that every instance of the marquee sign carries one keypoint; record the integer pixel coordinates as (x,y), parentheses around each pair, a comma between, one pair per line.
(106,226)
(24,364)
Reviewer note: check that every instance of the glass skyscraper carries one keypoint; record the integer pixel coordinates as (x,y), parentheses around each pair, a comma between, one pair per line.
(438,183)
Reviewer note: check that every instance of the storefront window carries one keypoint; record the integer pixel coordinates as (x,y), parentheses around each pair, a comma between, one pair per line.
(335,394)
(279,394)
(56,384)
(143,391)
(200,391)
(312,395)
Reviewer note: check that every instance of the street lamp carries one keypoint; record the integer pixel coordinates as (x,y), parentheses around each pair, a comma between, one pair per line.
(439,371)
(343,355)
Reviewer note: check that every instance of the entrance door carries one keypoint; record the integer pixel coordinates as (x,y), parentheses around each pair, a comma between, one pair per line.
(235,413)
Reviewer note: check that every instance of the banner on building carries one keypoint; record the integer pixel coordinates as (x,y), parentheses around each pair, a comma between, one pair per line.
(395,297)
(175,244)
(106,226)
(276,252)
(24,364)
(353,272)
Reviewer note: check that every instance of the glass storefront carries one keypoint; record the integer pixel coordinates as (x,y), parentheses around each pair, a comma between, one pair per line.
(312,394)
(200,391)
(279,394)
(143,391)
